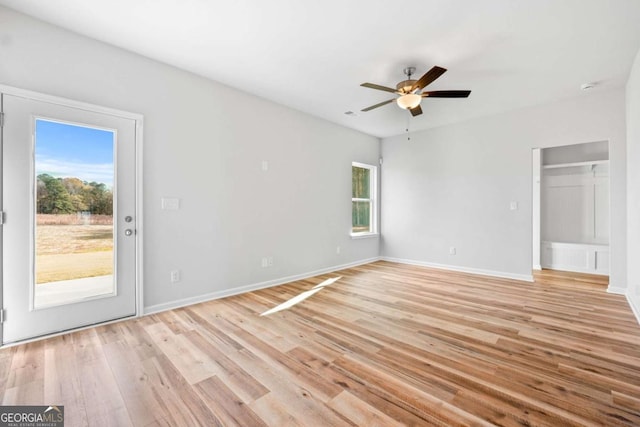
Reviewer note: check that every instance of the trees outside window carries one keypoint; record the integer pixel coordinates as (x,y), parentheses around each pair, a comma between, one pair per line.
(71,195)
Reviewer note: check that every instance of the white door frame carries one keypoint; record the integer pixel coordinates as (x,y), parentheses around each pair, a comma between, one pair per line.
(536,175)
(138,118)
(536,159)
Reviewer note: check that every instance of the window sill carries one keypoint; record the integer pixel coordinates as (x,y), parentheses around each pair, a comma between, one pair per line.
(364,235)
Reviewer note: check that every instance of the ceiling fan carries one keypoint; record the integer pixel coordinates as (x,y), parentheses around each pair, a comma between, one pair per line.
(410,91)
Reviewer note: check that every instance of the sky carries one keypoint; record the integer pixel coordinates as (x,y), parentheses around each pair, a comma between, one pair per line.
(64,150)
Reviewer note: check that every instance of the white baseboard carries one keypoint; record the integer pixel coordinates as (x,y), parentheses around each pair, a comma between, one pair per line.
(248,288)
(492,273)
(634,303)
(537,267)
(616,289)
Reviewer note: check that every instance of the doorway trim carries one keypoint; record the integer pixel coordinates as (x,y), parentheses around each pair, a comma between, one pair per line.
(139,205)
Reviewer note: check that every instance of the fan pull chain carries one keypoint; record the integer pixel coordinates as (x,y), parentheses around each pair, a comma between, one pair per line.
(407,128)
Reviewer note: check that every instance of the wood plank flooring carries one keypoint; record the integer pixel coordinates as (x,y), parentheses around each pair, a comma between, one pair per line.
(387,344)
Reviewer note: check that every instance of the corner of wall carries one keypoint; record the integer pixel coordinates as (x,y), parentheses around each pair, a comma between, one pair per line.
(632,96)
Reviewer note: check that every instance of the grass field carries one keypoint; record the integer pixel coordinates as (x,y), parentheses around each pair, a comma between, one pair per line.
(73,248)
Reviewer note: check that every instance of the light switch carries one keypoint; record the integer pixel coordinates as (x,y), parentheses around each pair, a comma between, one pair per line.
(170,204)
(265,165)
(513,206)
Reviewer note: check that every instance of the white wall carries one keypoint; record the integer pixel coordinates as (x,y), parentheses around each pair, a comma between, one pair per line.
(633,191)
(452,186)
(575,205)
(204,143)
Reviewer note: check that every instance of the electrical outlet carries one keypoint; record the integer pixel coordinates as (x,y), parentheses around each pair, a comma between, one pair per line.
(175,276)
(270,261)
(265,262)
(452,250)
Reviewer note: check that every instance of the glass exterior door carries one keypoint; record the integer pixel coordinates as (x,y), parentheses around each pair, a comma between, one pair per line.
(68,180)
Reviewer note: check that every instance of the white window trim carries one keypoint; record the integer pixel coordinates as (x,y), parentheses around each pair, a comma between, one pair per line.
(373,193)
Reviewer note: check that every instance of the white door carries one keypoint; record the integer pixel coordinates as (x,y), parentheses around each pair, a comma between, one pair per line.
(69,198)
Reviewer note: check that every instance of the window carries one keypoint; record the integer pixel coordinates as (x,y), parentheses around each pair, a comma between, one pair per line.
(363,199)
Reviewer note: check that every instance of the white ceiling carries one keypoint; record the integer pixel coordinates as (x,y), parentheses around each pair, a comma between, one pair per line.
(312,55)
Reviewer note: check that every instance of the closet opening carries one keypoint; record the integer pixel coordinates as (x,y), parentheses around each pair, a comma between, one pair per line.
(571,208)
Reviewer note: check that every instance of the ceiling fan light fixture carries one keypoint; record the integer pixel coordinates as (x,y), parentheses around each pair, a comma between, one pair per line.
(409,101)
(411,91)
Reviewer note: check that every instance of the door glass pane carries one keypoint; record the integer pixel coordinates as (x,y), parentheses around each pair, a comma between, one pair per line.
(360,182)
(74,253)
(360,217)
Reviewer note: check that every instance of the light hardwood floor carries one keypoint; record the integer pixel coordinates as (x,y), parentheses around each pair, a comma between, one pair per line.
(387,344)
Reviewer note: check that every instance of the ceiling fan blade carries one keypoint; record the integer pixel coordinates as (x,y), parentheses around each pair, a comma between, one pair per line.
(378,87)
(428,77)
(378,105)
(416,111)
(446,94)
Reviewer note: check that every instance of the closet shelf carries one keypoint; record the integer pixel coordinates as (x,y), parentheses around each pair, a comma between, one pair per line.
(575,164)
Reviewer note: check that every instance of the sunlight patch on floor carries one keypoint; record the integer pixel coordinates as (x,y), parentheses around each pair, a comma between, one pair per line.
(303,296)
